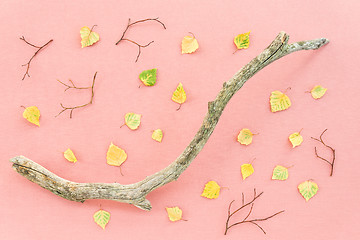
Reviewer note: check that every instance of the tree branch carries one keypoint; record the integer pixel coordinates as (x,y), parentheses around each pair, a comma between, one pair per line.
(332,151)
(135,193)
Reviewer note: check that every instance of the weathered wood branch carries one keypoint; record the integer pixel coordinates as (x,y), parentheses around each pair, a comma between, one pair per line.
(135,193)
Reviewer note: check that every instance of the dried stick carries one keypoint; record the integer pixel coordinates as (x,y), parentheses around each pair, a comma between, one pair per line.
(253,221)
(74,87)
(139,45)
(29,62)
(331,163)
(136,193)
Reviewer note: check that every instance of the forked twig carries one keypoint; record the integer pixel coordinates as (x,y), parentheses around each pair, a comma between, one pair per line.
(245,220)
(331,163)
(29,62)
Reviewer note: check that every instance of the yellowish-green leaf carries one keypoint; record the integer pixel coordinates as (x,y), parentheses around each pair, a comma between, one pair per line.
(132,120)
(296,139)
(179,95)
(245,136)
(148,77)
(211,190)
(88,37)
(174,213)
(115,156)
(189,44)
(70,156)
(157,135)
(242,40)
(32,114)
(246,170)
(279,101)
(318,91)
(308,189)
(280,173)
(102,218)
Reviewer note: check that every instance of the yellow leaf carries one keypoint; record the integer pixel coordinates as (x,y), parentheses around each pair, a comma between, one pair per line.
(280,173)
(246,170)
(318,91)
(132,120)
(189,44)
(102,218)
(179,95)
(211,190)
(296,139)
(88,37)
(157,135)
(245,136)
(115,156)
(242,40)
(279,101)
(308,189)
(174,213)
(70,156)
(32,114)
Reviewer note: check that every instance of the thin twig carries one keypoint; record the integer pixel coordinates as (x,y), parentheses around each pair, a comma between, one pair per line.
(331,163)
(29,62)
(80,106)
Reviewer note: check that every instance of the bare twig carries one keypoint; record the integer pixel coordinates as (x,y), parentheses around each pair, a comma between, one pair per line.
(37,51)
(74,87)
(332,162)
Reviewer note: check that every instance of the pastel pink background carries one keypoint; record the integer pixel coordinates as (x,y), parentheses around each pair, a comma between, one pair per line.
(30,212)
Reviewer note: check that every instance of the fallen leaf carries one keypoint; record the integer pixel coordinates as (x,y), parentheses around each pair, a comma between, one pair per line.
(70,156)
(115,156)
(189,44)
(246,170)
(132,120)
(88,37)
(318,91)
(179,95)
(296,139)
(148,77)
(280,173)
(211,190)
(102,218)
(242,41)
(308,189)
(174,213)
(32,114)
(279,101)
(245,136)
(157,135)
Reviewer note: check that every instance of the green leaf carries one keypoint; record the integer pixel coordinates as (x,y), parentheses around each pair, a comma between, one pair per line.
(280,173)
(308,189)
(148,77)
(132,120)
(102,217)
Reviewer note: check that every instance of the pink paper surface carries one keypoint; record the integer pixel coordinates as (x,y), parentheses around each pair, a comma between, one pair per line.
(30,212)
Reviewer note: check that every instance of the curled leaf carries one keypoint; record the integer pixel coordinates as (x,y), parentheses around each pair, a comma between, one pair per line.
(174,213)
(132,120)
(88,37)
(102,218)
(279,101)
(115,156)
(157,135)
(148,77)
(211,190)
(32,114)
(308,189)
(70,156)
(296,139)
(246,170)
(179,95)
(189,44)
(242,40)
(245,136)
(318,91)
(280,173)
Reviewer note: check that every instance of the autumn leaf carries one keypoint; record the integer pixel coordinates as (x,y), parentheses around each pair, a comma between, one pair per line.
(148,77)
(115,156)
(246,170)
(280,173)
(102,218)
(245,136)
(157,135)
(308,189)
(179,95)
(88,37)
(318,91)
(242,41)
(189,44)
(211,190)
(32,114)
(296,139)
(174,213)
(132,120)
(279,101)
(70,156)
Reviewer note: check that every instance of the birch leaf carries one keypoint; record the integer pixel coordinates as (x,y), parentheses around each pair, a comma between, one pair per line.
(189,44)
(148,77)
(132,120)
(245,136)
(179,95)
(308,189)
(32,114)
(296,139)
(174,213)
(279,101)
(211,190)
(242,40)
(102,218)
(280,173)
(70,156)
(88,37)
(115,156)
(157,135)
(246,170)
(318,91)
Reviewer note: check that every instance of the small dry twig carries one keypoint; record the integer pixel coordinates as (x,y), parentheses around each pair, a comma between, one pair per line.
(245,220)
(331,163)
(74,87)
(139,45)
(29,62)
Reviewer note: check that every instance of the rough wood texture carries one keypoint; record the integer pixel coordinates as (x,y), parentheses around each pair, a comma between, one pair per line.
(135,193)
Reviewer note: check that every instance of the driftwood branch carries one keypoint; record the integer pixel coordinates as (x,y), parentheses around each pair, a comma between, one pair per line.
(136,193)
